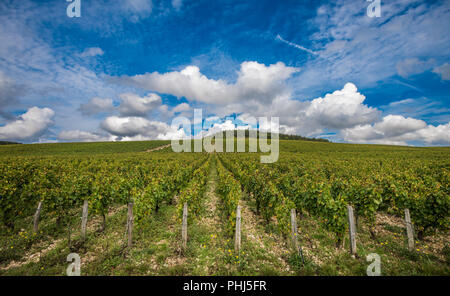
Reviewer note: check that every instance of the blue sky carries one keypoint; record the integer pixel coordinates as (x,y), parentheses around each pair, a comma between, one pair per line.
(125,69)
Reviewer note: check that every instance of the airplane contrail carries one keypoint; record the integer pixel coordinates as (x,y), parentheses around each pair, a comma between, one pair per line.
(295,45)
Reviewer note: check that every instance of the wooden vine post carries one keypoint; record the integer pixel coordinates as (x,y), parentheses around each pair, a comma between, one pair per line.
(294,230)
(84,219)
(184,225)
(409,230)
(294,233)
(352,229)
(36,217)
(130,225)
(237,241)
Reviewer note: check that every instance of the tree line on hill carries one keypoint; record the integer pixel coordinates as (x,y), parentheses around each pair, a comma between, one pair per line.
(281,136)
(8,143)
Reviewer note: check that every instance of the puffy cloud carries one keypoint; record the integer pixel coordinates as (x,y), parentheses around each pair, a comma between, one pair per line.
(443,71)
(255,82)
(138,128)
(82,136)
(97,105)
(92,52)
(181,108)
(172,134)
(409,67)
(396,125)
(125,126)
(398,130)
(258,82)
(341,109)
(435,135)
(29,125)
(344,112)
(134,105)
(262,91)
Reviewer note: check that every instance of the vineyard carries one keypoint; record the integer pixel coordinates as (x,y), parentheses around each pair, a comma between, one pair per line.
(130,209)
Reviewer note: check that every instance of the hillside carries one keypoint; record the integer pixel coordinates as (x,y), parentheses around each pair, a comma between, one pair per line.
(316,179)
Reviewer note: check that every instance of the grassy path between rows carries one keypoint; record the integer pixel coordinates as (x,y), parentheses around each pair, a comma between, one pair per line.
(211,248)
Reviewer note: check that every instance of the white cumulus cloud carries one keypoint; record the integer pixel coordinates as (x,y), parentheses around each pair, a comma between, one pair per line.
(181,108)
(134,105)
(398,130)
(341,109)
(138,128)
(29,125)
(255,82)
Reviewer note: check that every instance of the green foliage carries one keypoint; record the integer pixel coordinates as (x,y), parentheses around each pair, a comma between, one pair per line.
(372,180)
(230,191)
(70,149)
(270,201)
(193,193)
(63,183)
(318,178)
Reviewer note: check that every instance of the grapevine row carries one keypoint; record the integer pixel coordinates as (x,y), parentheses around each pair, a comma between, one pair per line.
(230,192)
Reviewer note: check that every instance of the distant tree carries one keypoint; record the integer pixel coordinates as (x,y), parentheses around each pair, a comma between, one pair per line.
(8,143)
